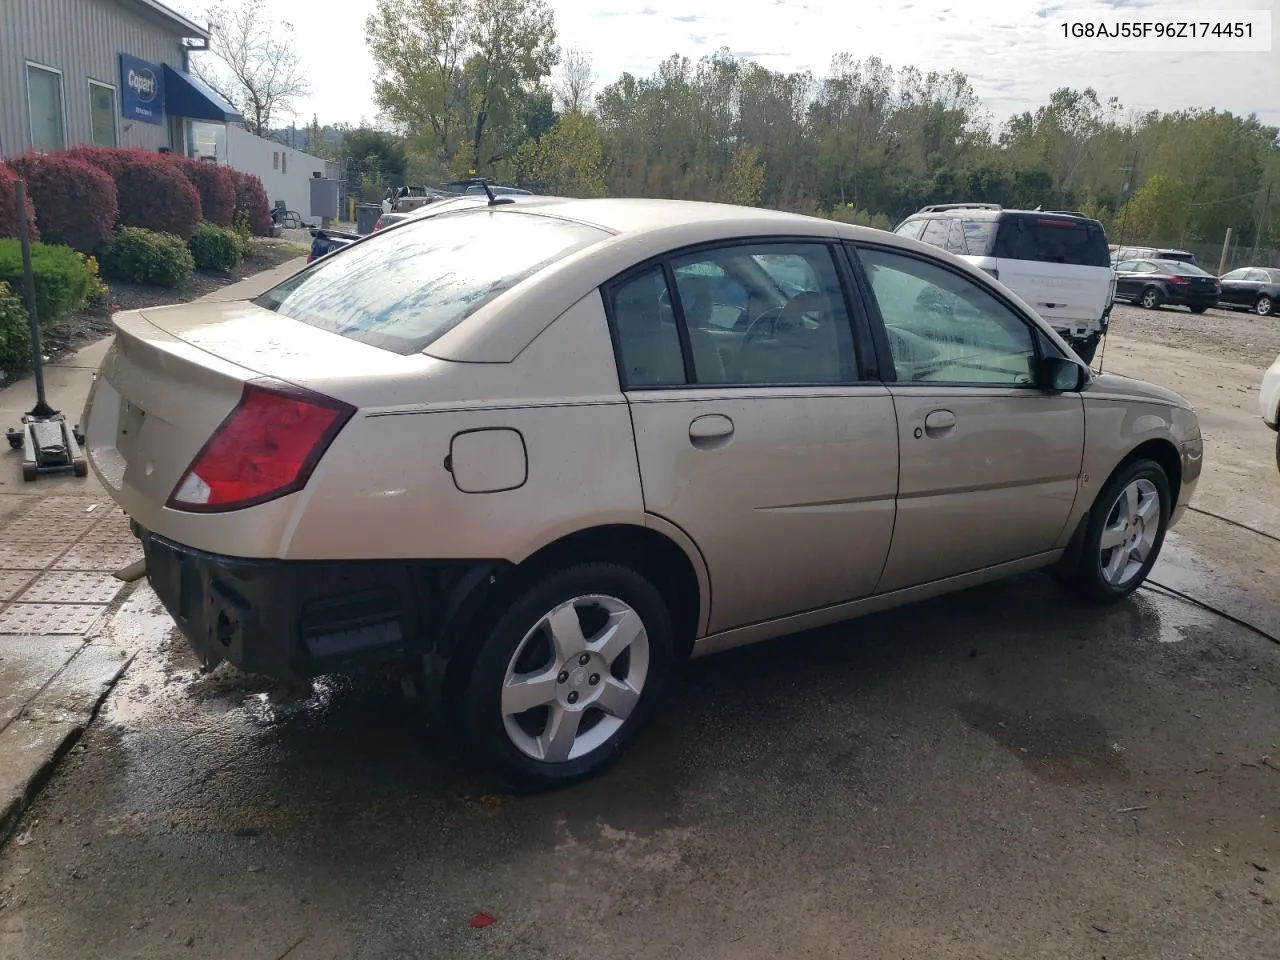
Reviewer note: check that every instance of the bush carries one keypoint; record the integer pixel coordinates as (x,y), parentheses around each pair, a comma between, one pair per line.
(9,205)
(75,201)
(144,256)
(62,278)
(251,198)
(15,334)
(152,190)
(97,289)
(215,248)
(157,197)
(215,185)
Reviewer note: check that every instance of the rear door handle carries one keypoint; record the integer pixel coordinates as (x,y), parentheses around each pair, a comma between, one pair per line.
(710,430)
(940,423)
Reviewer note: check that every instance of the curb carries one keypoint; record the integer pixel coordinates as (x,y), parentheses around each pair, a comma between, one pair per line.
(29,739)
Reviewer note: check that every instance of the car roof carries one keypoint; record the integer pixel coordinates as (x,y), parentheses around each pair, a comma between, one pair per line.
(639,230)
(991,211)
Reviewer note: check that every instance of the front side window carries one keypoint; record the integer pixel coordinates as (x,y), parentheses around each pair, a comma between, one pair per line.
(44,100)
(910,228)
(401,289)
(945,329)
(795,328)
(102,113)
(1128,266)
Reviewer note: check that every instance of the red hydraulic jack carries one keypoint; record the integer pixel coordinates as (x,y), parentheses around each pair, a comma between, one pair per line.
(47,442)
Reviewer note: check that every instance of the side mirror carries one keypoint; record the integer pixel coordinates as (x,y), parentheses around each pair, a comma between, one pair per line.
(1061,375)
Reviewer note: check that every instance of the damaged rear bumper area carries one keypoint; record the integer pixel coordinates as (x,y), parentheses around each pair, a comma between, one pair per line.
(293,619)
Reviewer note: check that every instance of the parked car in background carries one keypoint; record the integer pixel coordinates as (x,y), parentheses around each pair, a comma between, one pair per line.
(1269,402)
(540,452)
(1152,253)
(1057,262)
(1156,283)
(1255,289)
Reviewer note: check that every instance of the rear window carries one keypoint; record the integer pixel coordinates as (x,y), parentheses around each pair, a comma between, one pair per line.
(401,289)
(1050,239)
(1186,269)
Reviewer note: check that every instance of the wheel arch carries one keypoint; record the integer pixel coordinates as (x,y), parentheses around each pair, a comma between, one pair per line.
(658,550)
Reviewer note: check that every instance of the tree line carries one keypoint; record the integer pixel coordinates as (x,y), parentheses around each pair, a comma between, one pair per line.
(479,87)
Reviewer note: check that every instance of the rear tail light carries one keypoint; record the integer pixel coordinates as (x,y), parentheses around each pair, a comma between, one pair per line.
(1176,279)
(266,448)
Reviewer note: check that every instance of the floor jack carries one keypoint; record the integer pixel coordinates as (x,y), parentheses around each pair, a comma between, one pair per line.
(48,443)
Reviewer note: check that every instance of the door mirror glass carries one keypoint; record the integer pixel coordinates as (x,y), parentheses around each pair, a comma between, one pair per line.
(1061,375)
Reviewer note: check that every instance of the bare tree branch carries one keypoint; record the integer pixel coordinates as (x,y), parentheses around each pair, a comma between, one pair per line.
(577,78)
(256,67)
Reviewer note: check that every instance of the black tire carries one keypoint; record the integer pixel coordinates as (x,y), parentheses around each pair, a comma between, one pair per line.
(29,472)
(15,443)
(1198,309)
(80,467)
(1264,306)
(479,700)
(1088,580)
(1150,298)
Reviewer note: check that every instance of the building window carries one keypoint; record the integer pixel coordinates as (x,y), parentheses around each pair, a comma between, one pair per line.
(284,163)
(102,113)
(275,160)
(44,101)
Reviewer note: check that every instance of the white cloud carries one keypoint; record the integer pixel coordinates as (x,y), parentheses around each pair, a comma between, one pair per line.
(1012,50)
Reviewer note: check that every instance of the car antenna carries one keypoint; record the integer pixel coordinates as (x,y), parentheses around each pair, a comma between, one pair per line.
(494,199)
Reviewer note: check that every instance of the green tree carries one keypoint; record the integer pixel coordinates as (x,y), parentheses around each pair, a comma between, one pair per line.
(744,183)
(568,160)
(1159,212)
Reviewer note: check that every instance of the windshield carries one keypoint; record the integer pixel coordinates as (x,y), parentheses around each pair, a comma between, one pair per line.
(1049,239)
(403,288)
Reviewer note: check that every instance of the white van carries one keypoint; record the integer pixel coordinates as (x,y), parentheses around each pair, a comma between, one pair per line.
(1059,263)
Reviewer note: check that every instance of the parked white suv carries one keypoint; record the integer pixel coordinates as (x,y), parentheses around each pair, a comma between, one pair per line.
(1059,263)
(1269,402)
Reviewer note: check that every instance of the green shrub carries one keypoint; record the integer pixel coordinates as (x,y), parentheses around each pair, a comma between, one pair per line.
(140,256)
(62,278)
(15,334)
(215,248)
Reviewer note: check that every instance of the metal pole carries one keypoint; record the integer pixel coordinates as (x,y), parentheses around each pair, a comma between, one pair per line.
(1226,250)
(1257,231)
(42,408)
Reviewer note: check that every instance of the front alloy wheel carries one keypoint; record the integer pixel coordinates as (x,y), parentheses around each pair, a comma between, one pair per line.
(1129,533)
(1124,533)
(1150,298)
(1263,306)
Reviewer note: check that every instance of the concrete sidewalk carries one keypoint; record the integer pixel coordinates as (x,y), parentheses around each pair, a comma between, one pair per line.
(61,541)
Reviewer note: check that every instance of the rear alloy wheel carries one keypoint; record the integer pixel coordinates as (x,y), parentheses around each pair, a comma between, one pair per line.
(568,674)
(1150,298)
(1125,533)
(1263,306)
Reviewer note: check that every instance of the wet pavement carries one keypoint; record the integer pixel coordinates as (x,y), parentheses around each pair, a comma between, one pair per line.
(997,773)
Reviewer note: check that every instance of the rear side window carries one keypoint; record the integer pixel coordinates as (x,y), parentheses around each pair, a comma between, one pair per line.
(979,237)
(936,232)
(1050,239)
(401,289)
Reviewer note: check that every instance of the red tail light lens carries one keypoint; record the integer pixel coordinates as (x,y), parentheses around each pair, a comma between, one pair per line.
(266,448)
(378,224)
(1177,279)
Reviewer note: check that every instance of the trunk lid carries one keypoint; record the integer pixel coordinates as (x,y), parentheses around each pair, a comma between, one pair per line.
(1059,292)
(173,374)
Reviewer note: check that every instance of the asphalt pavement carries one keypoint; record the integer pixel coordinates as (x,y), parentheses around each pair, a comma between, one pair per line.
(1000,773)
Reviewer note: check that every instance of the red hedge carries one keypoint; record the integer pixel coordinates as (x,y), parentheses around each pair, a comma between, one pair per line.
(251,196)
(216,186)
(9,206)
(152,190)
(75,201)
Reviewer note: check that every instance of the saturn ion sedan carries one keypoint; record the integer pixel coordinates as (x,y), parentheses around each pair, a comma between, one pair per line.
(541,452)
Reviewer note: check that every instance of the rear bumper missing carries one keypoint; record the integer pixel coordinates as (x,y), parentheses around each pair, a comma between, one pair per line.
(293,619)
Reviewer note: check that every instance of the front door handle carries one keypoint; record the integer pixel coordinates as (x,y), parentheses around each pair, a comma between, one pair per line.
(940,423)
(711,430)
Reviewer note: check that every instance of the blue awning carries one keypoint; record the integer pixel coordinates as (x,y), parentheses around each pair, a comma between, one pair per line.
(187,96)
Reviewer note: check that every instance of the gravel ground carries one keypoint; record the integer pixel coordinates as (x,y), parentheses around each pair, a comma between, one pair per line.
(1227,334)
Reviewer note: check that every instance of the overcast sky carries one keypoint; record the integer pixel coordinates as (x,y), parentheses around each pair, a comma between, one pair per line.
(1012,50)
